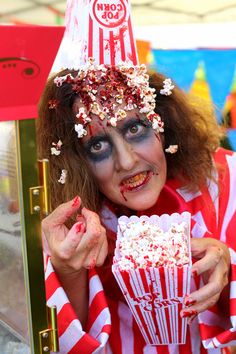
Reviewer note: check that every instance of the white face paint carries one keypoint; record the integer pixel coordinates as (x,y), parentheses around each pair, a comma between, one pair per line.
(127,161)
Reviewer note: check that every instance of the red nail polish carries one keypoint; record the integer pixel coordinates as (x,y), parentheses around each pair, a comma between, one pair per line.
(194,273)
(92,264)
(189,302)
(189,313)
(80,227)
(75,201)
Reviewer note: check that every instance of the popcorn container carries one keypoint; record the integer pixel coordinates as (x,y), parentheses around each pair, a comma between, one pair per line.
(155,294)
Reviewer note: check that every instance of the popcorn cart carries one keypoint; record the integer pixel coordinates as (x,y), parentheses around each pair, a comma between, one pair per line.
(26,325)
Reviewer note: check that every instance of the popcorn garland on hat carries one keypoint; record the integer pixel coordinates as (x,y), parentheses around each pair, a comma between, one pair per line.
(102,88)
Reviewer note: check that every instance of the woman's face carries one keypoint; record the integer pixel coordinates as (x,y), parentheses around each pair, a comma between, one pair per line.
(128,161)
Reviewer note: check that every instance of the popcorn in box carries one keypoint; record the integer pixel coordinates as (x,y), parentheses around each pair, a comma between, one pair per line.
(152,265)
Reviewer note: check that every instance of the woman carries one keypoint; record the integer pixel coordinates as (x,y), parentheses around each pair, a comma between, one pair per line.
(118,148)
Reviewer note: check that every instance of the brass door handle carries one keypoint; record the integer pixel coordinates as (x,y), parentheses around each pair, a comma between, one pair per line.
(40,195)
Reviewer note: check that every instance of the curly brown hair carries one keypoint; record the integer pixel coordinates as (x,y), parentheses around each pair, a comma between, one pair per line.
(55,124)
(189,125)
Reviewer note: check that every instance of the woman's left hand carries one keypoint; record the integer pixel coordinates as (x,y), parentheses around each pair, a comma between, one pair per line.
(213,266)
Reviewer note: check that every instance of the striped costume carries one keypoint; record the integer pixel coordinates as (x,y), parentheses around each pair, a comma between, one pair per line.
(111,327)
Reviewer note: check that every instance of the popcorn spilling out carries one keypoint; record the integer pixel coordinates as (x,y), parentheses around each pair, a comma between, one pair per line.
(103,88)
(145,245)
(56,148)
(63,176)
(79,128)
(172,149)
(52,104)
(167,87)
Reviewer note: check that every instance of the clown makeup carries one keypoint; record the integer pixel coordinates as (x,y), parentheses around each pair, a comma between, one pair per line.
(127,161)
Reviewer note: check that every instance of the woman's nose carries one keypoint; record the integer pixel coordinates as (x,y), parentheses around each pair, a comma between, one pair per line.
(126,157)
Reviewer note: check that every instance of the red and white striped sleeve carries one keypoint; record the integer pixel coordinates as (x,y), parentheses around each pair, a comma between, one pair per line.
(72,338)
(217,332)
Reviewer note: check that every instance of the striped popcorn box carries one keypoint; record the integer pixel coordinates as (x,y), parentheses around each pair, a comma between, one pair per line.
(152,265)
(98,29)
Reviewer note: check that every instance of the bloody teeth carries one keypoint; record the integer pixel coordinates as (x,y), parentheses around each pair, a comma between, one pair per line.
(135,180)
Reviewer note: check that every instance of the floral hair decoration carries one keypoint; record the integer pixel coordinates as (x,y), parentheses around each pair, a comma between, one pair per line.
(103,88)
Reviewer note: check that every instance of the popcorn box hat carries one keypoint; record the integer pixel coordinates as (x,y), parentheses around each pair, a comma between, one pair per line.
(100,29)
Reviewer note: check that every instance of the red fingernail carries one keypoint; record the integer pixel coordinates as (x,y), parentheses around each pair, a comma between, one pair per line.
(80,227)
(194,273)
(75,201)
(189,302)
(92,264)
(189,313)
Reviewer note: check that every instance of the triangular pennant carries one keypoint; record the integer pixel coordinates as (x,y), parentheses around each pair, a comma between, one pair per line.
(232,138)
(180,65)
(220,65)
(143,48)
(200,86)
(233,85)
(229,111)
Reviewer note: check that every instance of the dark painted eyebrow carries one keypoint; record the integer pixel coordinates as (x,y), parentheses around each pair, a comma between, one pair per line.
(104,136)
(95,139)
(129,123)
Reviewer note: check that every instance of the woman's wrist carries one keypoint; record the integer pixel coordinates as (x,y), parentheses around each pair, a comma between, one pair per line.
(75,285)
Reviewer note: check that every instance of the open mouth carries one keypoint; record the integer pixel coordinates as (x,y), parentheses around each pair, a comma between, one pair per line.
(136,181)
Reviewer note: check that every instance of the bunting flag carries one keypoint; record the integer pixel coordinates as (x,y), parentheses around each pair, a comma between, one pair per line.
(144,49)
(181,65)
(200,85)
(230,105)
(220,65)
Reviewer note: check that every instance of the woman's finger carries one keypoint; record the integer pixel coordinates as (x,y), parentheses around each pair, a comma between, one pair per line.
(98,242)
(91,219)
(102,254)
(191,312)
(216,282)
(94,231)
(90,260)
(72,240)
(203,294)
(61,214)
(212,257)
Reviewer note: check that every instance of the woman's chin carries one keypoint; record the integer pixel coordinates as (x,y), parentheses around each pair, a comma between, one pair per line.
(140,202)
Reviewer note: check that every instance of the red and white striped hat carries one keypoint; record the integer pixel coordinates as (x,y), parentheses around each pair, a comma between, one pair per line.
(98,29)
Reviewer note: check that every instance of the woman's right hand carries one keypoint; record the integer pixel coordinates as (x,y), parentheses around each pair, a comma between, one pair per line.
(83,246)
